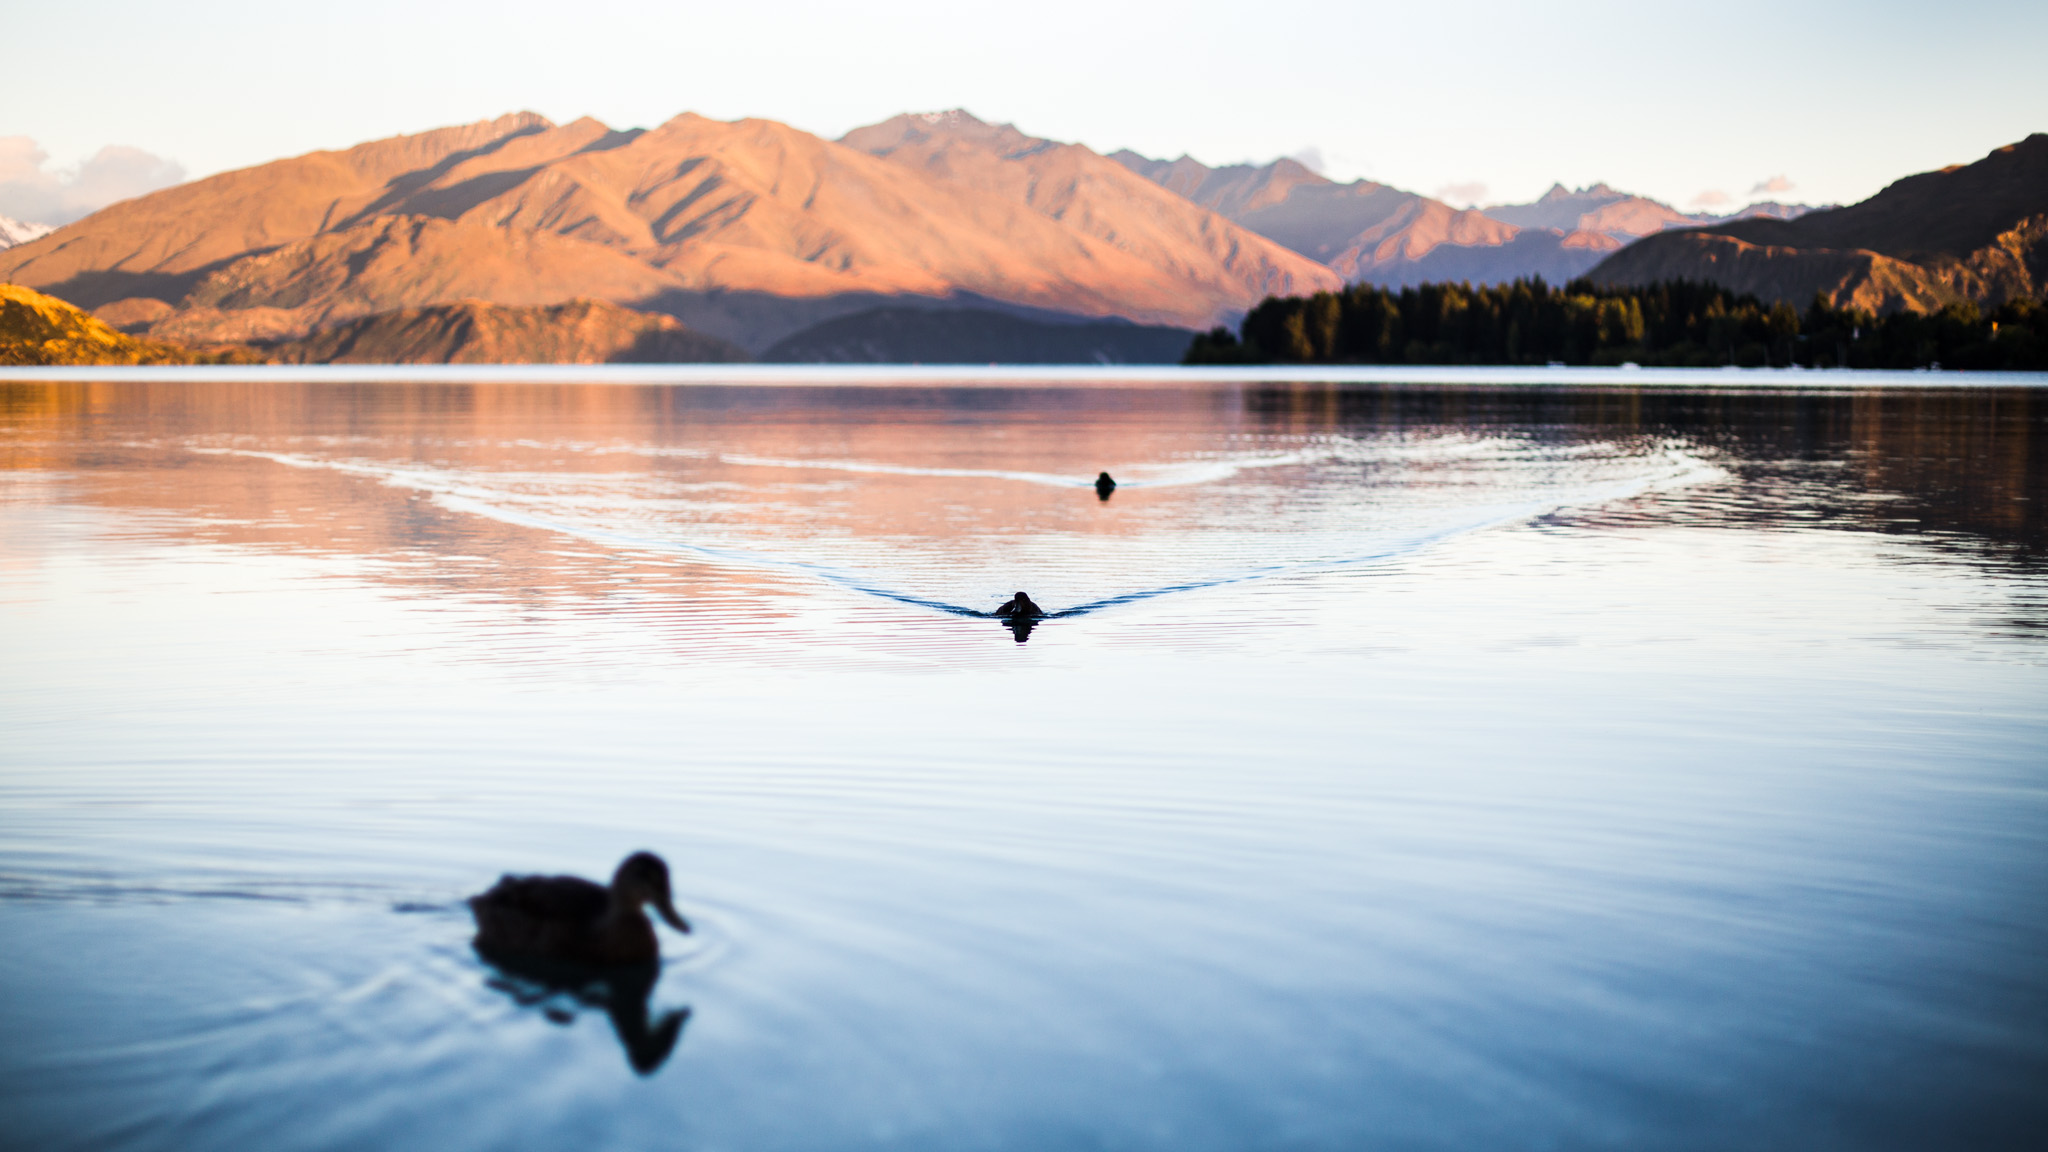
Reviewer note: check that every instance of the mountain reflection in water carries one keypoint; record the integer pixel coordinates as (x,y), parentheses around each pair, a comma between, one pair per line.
(1425,767)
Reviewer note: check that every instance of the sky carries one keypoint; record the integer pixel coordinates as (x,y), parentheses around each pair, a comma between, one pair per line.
(1489,101)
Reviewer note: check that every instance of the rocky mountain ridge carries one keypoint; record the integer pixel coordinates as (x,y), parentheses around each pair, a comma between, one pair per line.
(1377,234)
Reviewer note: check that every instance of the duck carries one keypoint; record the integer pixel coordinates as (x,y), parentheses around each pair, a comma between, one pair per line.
(1020,607)
(573,920)
(1104,485)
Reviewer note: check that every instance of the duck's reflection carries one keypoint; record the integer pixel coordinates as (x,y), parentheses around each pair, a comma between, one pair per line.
(622,991)
(1021,626)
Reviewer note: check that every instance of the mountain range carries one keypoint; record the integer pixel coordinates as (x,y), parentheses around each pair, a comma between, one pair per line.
(749,231)
(925,237)
(1377,234)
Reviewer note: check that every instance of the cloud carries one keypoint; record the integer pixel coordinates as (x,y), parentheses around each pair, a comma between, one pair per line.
(1712,198)
(32,191)
(1774,185)
(1468,194)
(1310,158)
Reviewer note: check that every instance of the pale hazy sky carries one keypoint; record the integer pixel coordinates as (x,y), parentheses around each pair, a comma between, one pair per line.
(1486,101)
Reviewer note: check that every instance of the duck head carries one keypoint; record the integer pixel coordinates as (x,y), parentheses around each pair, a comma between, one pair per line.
(642,879)
(1020,607)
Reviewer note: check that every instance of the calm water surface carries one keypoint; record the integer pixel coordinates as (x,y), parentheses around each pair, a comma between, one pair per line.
(1418,768)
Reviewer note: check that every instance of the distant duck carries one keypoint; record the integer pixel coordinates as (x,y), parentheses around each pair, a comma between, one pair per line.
(1104,485)
(1020,607)
(570,919)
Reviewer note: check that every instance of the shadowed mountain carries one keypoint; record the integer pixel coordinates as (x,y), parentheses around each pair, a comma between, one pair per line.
(975,336)
(1557,257)
(475,332)
(1967,232)
(749,230)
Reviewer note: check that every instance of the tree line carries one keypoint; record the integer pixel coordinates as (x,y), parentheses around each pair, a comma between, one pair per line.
(1678,323)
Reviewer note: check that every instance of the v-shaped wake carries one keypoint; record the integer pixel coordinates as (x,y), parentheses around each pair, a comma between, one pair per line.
(461,493)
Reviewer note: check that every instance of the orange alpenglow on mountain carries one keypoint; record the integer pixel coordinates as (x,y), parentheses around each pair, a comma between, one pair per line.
(749,231)
(43,331)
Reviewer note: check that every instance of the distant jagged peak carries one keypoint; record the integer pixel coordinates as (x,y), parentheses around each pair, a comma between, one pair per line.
(1231,190)
(1289,166)
(1286,168)
(954,125)
(1134,159)
(705,136)
(14,231)
(697,121)
(950,118)
(1772,209)
(461,135)
(950,122)
(686,122)
(524,118)
(1604,207)
(1598,190)
(1597,207)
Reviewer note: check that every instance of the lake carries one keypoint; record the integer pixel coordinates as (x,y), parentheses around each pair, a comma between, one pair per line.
(1446,764)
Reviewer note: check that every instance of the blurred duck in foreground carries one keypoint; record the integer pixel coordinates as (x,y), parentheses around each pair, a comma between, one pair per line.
(1104,485)
(569,919)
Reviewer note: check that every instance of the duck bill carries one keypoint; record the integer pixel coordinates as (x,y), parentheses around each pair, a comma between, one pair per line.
(668,912)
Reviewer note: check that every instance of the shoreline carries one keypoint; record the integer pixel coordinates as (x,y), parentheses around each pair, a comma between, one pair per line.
(1056,375)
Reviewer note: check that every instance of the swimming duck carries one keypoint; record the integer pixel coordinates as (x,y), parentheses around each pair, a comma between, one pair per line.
(1020,607)
(1104,485)
(571,919)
